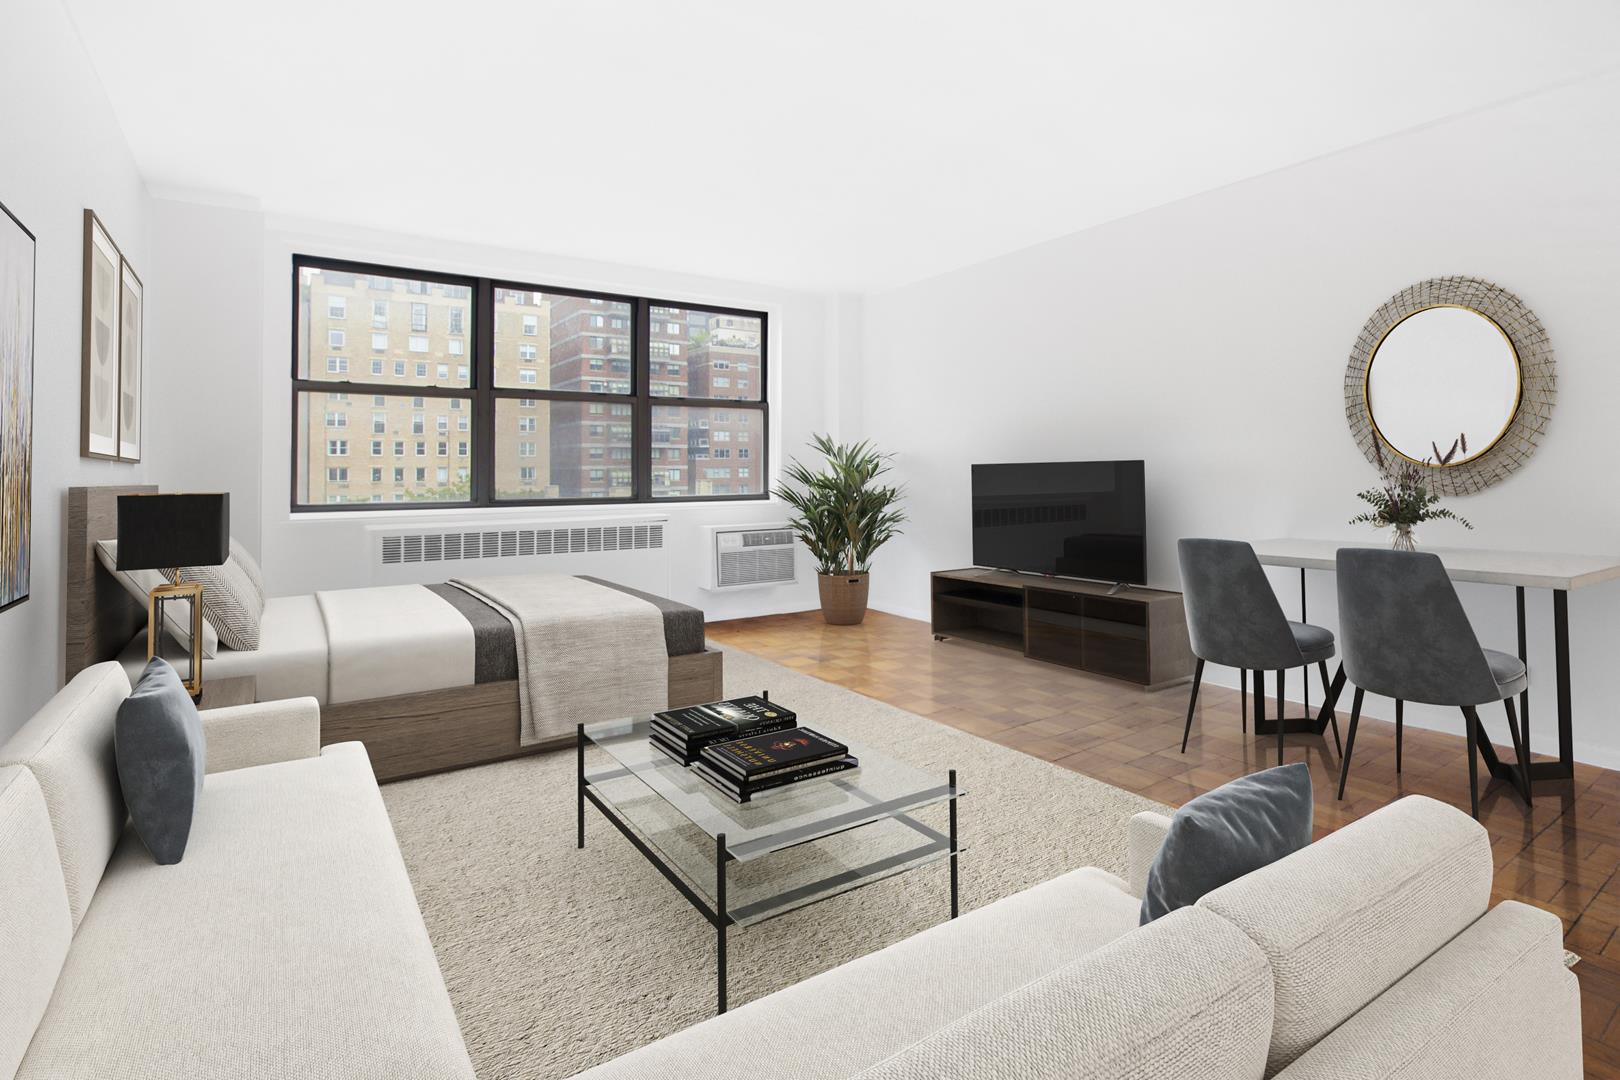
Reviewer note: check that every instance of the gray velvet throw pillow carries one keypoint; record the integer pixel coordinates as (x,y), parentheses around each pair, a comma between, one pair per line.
(1226,833)
(158,741)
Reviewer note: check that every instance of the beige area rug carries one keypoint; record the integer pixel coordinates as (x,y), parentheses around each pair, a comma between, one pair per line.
(558,959)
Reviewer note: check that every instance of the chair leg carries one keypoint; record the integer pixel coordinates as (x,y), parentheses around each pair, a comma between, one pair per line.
(1400,723)
(1472,719)
(1327,703)
(1281,712)
(1521,747)
(1257,693)
(1350,740)
(1192,702)
(1243,685)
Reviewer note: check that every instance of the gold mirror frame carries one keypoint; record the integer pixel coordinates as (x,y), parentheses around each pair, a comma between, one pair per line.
(1538,380)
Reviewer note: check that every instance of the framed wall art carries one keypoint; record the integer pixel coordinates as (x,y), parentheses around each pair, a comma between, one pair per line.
(16,407)
(131,313)
(99,389)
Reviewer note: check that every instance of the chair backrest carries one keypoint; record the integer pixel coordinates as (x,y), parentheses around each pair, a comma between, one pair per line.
(1233,616)
(68,746)
(1343,920)
(36,927)
(1403,632)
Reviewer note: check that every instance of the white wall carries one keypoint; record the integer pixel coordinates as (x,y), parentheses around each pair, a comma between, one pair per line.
(233,264)
(60,151)
(1210,337)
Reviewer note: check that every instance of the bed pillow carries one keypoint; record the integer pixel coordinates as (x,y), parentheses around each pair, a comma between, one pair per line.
(250,567)
(158,743)
(1226,833)
(231,602)
(176,614)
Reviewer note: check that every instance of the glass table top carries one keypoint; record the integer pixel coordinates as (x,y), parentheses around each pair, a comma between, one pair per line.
(884,820)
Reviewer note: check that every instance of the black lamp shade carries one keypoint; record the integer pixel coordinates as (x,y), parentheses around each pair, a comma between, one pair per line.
(162,531)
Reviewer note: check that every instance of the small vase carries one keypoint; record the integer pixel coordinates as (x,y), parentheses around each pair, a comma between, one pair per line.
(1404,539)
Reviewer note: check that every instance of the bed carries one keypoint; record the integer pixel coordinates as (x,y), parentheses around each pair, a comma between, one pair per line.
(425,675)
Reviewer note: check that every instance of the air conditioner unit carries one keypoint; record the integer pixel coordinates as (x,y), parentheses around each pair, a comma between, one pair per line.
(744,556)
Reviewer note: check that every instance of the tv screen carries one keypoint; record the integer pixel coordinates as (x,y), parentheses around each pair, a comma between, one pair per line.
(1084,519)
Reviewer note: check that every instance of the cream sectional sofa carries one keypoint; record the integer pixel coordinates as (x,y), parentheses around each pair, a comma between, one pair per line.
(287,942)
(1373,954)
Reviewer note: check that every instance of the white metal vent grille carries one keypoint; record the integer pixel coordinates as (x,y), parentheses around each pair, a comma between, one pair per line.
(396,549)
(762,556)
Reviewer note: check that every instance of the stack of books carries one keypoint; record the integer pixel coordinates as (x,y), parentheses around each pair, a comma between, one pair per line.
(745,769)
(684,733)
(748,746)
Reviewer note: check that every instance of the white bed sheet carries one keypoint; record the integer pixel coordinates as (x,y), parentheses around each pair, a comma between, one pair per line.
(291,660)
(394,639)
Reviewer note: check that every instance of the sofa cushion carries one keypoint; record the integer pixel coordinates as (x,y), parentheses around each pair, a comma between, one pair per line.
(287,944)
(899,994)
(68,746)
(1497,1000)
(35,924)
(1223,834)
(158,740)
(1343,920)
(1188,997)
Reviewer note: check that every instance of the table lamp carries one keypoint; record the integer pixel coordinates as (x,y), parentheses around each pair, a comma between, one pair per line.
(161,532)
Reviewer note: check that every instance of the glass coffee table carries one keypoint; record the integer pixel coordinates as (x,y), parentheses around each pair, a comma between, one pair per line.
(740,864)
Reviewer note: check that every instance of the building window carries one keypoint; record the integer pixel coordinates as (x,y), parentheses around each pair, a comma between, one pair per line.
(503,358)
(338,474)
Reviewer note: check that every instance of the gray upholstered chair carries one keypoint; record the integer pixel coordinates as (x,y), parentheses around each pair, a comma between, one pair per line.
(1406,636)
(1234,619)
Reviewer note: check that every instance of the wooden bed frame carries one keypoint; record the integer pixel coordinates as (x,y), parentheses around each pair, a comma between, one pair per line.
(408,735)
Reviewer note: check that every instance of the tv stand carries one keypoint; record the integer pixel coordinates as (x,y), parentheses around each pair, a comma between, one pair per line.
(1124,632)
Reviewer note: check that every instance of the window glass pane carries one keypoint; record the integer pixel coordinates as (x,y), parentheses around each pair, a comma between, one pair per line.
(705,354)
(551,341)
(414,327)
(563,449)
(365,448)
(707,451)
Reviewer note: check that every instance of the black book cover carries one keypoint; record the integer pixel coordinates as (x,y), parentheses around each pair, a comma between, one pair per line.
(747,791)
(675,752)
(750,758)
(724,719)
(696,743)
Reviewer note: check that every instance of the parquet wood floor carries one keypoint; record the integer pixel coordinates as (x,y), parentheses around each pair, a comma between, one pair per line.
(1563,855)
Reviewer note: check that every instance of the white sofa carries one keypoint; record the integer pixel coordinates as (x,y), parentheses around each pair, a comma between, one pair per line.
(1369,955)
(287,942)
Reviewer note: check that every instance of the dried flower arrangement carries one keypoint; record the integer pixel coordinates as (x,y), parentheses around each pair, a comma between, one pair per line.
(1405,500)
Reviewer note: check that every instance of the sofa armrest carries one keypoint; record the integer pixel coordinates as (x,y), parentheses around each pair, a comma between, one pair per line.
(260,734)
(1144,836)
(1496,1000)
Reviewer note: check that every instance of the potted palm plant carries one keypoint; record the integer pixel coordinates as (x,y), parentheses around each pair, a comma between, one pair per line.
(843,514)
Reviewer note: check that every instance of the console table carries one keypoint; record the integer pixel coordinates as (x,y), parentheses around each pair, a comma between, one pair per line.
(1136,634)
(1519,569)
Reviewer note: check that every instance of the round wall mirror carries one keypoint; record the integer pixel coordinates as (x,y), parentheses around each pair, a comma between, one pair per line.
(1443,385)
(1451,360)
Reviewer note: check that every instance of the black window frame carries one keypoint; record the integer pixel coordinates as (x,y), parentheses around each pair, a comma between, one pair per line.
(484,394)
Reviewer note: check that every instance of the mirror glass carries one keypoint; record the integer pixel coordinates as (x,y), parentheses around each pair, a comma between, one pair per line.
(1440,373)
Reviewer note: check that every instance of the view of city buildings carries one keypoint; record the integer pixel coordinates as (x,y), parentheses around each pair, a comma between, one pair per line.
(405,433)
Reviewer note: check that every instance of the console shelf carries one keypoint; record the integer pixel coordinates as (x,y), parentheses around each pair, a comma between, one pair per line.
(1138,635)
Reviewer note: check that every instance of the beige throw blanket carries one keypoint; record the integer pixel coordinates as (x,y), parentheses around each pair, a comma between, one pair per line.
(585,652)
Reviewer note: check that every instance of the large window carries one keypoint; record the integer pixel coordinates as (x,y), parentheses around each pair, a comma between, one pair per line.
(477,392)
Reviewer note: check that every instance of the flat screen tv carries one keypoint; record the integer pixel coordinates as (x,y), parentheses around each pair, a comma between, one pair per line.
(1082,519)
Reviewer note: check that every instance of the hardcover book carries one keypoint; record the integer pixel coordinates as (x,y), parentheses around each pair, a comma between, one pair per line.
(747,791)
(698,726)
(764,755)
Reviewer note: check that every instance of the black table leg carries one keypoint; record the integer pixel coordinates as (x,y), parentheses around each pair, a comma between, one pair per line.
(580,782)
(1302,618)
(1524,657)
(720,858)
(953,842)
(1566,727)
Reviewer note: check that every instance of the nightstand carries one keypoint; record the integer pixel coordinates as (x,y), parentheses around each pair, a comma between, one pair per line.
(223,693)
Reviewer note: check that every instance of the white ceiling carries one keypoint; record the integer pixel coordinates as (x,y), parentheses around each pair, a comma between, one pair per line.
(825,144)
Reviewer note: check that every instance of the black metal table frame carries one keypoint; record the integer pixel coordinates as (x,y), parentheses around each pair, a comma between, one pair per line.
(1540,771)
(719,915)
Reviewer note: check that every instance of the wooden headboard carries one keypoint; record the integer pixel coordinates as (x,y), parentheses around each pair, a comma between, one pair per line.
(101,616)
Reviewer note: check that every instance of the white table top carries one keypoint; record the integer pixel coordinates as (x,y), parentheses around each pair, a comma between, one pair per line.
(1531,569)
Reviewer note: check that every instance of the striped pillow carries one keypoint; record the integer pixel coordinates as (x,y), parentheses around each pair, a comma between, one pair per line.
(232,602)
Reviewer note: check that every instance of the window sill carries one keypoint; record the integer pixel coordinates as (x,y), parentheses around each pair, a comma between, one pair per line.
(573,511)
